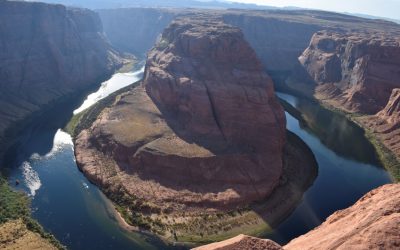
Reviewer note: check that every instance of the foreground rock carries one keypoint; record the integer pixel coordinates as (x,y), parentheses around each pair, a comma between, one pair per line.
(47,52)
(372,223)
(242,242)
(201,136)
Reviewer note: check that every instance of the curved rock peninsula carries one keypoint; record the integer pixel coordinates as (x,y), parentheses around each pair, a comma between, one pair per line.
(47,52)
(202,135)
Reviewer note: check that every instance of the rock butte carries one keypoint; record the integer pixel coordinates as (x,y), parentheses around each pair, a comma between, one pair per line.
(373,222)
(205,113)
(349,62)
(202,136)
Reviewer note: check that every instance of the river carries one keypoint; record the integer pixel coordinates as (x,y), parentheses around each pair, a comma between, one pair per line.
(79,215)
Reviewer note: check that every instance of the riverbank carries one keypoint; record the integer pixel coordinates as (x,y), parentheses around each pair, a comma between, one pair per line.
(387,158)
(300,170)
(15,205)
(17,228)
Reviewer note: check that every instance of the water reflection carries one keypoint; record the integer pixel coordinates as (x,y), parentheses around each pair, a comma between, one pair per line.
(334,131)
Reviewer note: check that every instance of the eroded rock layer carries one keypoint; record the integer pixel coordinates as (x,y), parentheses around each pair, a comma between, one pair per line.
(46,52)
(241,242)
(373,222)
(354,71)
(203,130)
(386,126)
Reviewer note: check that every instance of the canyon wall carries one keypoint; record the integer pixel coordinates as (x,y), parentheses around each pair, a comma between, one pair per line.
(135,30)
(354,71)
(278,34)
(46,52)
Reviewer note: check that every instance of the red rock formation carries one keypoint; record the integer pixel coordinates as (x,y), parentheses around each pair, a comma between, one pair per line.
(386,124)
(356,71)
(210,80)
(242,242)
(372,223)
(215,120)
(391,113)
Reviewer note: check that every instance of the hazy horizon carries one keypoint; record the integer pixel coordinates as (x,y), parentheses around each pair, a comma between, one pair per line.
(379,8)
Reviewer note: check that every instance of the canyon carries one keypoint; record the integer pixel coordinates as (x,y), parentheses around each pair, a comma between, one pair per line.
(346,63)
(48,52)
(206,112)
(205,108)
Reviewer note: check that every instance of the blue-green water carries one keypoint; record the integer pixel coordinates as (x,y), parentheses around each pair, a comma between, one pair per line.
(348,167)
(76,212)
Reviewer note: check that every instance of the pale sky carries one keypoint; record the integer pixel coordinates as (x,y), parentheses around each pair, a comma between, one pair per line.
(383,8)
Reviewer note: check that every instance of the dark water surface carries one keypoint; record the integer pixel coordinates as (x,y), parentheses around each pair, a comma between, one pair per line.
(76,212)
(348,167)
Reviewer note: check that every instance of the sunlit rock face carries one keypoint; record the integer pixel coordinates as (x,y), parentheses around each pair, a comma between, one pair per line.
(354,71)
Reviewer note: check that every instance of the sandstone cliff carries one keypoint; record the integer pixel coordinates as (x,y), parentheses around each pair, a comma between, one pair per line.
(242,242)
(372,223)
(385,125)
(47,51)
(200,117)
(354,71)
(201,136)
(279,34)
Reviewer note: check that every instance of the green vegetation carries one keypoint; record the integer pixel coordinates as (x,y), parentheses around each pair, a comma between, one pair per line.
(387,158)
(163,43)
(15,205)
(85,119)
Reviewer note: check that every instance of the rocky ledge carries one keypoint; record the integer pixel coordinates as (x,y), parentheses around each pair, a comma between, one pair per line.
(372,223)
(355,71)
(202,137)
